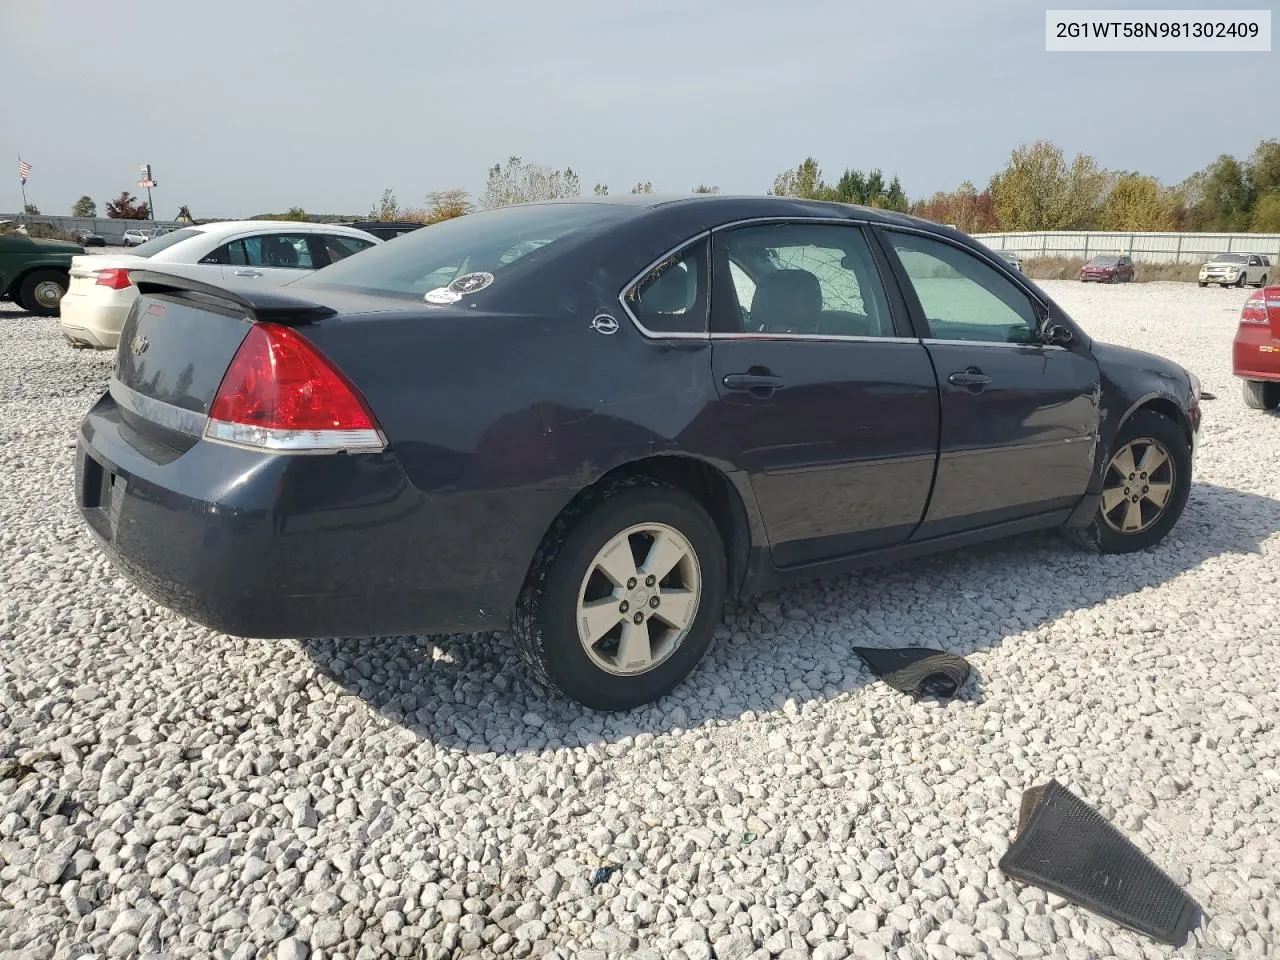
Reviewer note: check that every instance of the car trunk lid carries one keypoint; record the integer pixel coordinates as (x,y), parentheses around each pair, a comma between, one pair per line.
(176,345)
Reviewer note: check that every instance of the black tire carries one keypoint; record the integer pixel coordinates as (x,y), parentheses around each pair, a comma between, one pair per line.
(1099,535)
(1261,283)
(1241,280)
(544,621)
(36,293)
(1261,394)
(1203,283)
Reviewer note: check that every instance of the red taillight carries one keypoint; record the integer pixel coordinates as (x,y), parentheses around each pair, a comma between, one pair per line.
(114,278)
(1255,310)
(281,393)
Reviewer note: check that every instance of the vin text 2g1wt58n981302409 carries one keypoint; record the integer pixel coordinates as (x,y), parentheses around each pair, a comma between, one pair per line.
(591,421)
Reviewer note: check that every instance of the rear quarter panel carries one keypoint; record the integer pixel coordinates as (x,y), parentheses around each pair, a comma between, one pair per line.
(499,420)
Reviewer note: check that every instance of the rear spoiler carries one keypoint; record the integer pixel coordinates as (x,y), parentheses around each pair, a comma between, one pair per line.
(262,306)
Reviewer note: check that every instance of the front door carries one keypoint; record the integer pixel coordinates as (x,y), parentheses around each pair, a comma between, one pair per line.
(831,403)
(1019,417)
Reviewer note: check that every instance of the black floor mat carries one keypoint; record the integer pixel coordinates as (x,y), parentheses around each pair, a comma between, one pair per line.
(1066,847)
(917,671)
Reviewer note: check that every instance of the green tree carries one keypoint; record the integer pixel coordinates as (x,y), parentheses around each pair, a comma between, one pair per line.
(1266,213)
(387,208)
(84,207)
(600,189)
(1137,202)
(646,187)
(1038,190)
(1264,168)
(704,188)
(851,187)
(804,181)
(1227,202)
(447,204)
(521,182)
(31,210)
(895,198)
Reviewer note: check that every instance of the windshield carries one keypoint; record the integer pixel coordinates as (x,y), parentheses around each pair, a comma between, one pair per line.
(164,242)
(1105,261)
(1229,258)
(436,255)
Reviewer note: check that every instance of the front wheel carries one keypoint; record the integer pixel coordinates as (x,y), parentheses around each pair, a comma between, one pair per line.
(1261,394)
(1145,487)
(621,601)
(1241,280)
(42,291)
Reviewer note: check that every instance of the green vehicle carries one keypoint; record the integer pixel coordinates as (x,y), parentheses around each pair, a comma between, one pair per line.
(34,273)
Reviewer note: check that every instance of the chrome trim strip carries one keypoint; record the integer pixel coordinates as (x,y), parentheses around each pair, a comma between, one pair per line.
(653,334)
(167,415)
(991,343)
(812,336)
(836,221)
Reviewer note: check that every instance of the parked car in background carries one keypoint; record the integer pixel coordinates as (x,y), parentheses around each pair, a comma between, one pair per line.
(591,421)
(135,237)
(386,229)
(265,252)
(1255,354)
(1011,258)
(88,239)
(1108,268)
(1235,270)
(34,273)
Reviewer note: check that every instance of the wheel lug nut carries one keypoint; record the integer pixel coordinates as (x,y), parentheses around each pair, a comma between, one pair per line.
(623,607)
(650,580)
(653,601)
(1132,477)
(631,584)
(638,618)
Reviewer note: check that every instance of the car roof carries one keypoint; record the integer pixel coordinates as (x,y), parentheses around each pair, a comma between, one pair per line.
(227,227)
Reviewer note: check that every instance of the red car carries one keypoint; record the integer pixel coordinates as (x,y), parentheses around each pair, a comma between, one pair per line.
(1108,268)
(1255,355)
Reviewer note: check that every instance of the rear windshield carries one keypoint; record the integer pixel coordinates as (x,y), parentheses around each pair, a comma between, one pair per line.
(436,255)
(162,243)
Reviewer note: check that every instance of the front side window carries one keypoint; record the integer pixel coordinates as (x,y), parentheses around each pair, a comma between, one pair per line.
(672,296)
(805,279)
(281,251)
(962,297)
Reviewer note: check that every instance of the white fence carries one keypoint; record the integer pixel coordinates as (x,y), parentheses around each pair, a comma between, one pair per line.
(1142,247)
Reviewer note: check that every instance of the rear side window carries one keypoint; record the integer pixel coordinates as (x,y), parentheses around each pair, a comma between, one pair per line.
(672,296)
(491,241)
(152,247)
(339,248)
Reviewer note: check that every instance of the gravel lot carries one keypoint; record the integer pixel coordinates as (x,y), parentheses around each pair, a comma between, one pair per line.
(165,789)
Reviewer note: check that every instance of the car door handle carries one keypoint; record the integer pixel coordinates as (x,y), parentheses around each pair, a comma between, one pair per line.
(248,273)
(973,377)
(761,384)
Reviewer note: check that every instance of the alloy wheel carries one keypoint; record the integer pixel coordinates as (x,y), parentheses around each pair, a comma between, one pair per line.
(1139,482)
(638,599)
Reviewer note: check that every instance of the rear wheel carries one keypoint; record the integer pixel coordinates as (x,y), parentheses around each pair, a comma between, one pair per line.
(1145,487)
(1263,282)
(1261,394)
(621,601)
(41,292)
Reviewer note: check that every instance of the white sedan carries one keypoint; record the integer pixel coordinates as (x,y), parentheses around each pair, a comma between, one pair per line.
(270,252)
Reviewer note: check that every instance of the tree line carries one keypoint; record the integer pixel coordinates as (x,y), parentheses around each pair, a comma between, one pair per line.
(1039,188)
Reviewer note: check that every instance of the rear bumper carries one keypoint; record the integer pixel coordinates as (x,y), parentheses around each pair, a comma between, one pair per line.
(271,546)
(95,320)
(1255,353)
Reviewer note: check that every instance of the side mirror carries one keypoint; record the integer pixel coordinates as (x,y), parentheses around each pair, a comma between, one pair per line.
(1056,334)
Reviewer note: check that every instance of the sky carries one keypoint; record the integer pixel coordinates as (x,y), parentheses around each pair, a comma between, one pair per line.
(244,108)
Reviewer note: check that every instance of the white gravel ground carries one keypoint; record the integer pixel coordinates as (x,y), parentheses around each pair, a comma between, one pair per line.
(168,790)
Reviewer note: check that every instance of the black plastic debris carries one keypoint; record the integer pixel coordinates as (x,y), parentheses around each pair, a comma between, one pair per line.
(917,671)
(602,875)
(1066,847)
(1206,395)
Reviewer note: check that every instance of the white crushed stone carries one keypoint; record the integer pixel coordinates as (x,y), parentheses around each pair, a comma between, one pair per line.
(197,795)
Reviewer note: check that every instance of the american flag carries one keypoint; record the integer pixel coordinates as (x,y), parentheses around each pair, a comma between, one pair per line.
(24,170)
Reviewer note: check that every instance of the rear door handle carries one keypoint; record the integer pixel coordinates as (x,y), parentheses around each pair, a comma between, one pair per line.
(973,377)
(761,384)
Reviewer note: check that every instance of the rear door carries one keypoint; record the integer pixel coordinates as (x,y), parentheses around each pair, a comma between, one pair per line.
(271,257)
(831,402)
(1019,417)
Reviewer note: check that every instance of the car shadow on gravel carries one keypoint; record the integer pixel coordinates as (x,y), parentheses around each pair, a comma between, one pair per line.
(473,693)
